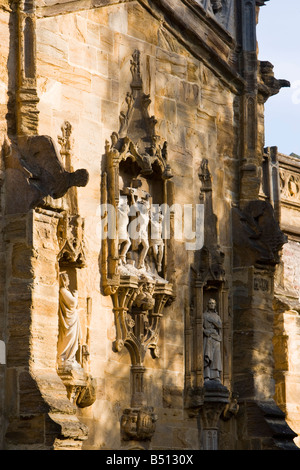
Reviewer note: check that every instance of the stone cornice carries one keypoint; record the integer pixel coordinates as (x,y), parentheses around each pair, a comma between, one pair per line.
(211,43)
(45,8)
(289,162)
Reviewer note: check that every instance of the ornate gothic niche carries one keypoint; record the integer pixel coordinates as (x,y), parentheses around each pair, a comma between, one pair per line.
(135,190)
(74,338)
(208,334)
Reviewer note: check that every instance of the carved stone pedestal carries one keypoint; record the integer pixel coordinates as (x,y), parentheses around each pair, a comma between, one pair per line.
(215,400)
(138,427)
(80,386)
(138,310)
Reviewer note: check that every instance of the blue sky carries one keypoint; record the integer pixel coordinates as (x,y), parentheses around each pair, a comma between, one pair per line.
(278,35)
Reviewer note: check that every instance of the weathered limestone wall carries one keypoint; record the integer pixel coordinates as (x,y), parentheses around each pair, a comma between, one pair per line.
(36,405)
(4,34)
(83,68)
(287,291)
(83,74)
(287,334)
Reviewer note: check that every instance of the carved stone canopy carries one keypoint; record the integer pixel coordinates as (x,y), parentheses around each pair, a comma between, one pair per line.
(137,137)
(211,258)
(137,168)
(70,238)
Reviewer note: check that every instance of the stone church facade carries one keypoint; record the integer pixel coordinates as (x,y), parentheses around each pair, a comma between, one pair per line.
(149,242)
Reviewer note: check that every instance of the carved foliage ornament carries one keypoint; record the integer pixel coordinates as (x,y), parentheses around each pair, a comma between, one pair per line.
(289,186)
(138,424)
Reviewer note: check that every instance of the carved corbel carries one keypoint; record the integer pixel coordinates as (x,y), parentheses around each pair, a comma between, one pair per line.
(216,400)
(138,308)
(138,424)
(81,387)
(232,408)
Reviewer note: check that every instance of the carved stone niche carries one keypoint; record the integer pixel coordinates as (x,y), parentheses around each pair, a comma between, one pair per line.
(135,191)
(73,339)
(208,329)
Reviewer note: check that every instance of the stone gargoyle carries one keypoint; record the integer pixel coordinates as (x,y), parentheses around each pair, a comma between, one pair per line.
(45,170)
(257,235)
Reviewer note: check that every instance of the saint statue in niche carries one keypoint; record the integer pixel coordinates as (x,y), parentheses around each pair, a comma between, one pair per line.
(69,326)
(212,330)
